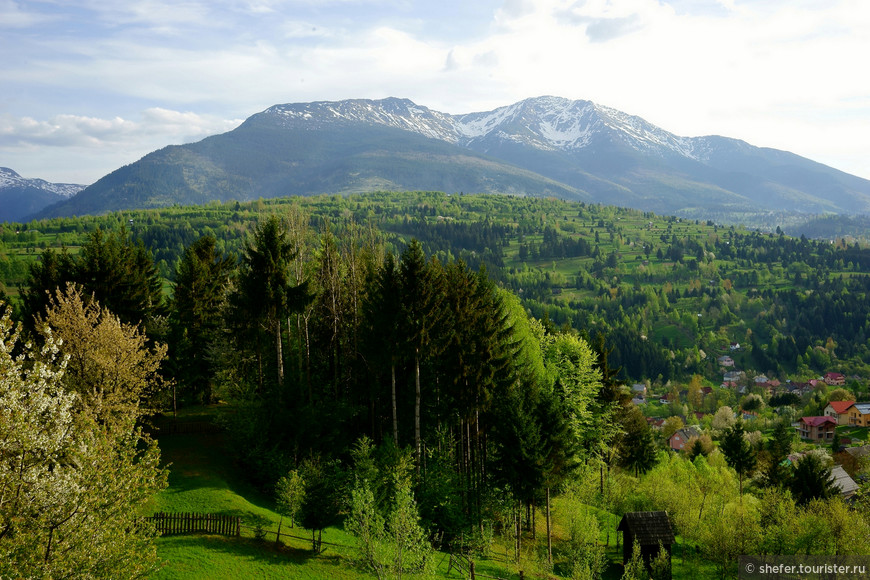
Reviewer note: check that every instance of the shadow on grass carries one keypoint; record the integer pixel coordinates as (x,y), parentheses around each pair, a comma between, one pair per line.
(202,461)
(250,548)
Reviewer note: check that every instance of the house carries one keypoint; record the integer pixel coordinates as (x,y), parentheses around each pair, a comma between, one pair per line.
(649,530)
(761,380)
(800,388)
(680,439)
(835,379)
(858,415)
(655,422)
(817,428)
(706,391)
(638,388)
(839,410)
(734,346)
(733,376)
(725,361)
(845,484)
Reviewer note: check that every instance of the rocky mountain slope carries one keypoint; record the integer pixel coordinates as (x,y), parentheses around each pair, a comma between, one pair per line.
(546,146)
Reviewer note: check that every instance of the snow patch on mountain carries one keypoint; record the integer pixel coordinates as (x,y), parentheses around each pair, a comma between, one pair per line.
(9,179)
(545,123)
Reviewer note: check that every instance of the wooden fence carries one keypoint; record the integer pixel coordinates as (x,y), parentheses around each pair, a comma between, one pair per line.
(185,523)
(171,427)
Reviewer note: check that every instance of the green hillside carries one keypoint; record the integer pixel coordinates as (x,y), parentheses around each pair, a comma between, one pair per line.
(419,377)
(669,294)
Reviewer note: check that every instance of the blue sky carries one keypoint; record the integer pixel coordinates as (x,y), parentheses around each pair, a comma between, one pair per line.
(87,86)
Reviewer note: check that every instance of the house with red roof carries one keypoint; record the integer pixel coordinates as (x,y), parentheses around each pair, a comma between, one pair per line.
(680,439)
(817,428)
(835,379)
(839,410)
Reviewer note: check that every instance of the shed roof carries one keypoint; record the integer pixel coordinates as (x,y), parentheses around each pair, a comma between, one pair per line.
(648,528)
(862,451)
(843,482)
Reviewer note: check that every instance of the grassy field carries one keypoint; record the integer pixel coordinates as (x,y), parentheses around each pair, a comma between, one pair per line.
(204,478)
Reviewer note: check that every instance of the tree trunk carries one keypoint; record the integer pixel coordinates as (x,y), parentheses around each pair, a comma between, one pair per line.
(601,477)
(549,537)
(279,352)
(417,397)
(308,361)
(395,412)
(534,520)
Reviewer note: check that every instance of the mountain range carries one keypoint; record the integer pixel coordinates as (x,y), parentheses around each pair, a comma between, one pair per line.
(546,146)
(21,197)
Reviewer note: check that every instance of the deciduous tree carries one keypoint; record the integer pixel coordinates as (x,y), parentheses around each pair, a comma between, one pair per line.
(72,491)
(112,366)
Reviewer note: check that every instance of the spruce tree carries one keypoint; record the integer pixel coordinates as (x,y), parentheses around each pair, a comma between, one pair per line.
(812,479)
(202,284)
(419,302)
(266,294)
(738,452)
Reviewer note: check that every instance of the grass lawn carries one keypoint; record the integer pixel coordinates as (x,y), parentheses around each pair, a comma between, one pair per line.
(856,434)
(203,478)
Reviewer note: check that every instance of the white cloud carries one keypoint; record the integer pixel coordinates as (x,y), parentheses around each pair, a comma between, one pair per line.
(768,72)
(14,15)
(77,149)
(92,132)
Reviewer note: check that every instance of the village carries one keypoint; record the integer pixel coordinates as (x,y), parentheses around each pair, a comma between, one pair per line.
(827,417)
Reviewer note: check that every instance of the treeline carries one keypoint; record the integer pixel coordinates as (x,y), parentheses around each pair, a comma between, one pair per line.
(579,266)
(320,336)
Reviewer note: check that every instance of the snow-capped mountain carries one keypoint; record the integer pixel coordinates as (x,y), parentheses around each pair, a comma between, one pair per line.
(21,196)
(9,179)
(541,146)
(557,124)
(546,123)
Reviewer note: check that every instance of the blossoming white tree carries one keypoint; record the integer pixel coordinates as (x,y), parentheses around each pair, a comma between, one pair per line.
(71,490)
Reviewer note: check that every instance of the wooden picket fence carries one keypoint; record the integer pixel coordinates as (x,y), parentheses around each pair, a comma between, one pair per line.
(186,523)
(171,427)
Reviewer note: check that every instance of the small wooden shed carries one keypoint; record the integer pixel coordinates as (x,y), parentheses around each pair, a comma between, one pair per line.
(647,529)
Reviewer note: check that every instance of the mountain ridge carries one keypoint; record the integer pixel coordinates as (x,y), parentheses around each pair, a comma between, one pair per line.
(538,146)
(22,196)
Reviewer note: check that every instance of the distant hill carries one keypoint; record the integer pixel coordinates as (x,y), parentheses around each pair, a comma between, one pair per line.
(545,146)
(21,197)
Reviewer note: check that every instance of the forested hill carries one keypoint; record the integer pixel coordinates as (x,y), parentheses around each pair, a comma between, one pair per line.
(669,295)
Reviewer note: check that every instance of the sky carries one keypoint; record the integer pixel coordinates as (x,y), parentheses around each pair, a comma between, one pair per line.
(87,86)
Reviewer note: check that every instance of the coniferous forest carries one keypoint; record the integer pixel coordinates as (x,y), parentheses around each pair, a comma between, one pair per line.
(434,373)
